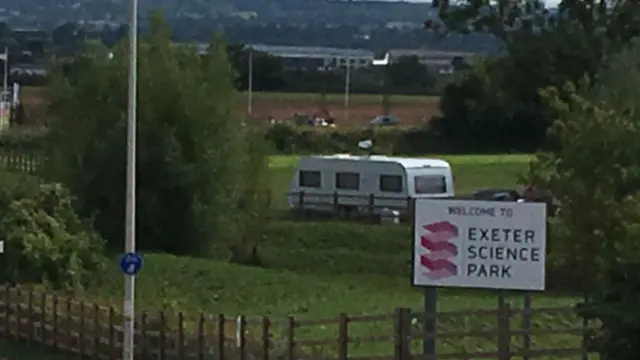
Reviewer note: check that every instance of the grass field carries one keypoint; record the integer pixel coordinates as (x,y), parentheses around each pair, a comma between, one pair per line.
(339,98)
(320,269)
(471,172)
(21,352)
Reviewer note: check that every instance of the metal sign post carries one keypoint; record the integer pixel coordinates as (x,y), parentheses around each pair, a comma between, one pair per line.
(477,244)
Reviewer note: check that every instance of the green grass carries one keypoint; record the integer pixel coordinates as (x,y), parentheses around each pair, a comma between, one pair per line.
(201,285)
(339,98)
(10,351)
(471,172)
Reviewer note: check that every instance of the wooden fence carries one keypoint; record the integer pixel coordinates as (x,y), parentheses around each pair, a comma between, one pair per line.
(20,160)
(366,206)
(93,331)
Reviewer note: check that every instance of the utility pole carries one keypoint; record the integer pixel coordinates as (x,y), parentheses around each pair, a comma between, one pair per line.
(250,100)
(130,220)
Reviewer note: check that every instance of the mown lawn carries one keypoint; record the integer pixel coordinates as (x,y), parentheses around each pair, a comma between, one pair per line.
(10,351)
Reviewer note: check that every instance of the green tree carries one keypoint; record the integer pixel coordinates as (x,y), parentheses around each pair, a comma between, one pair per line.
(194,156)
(593,172)
(407,75)
(542,49)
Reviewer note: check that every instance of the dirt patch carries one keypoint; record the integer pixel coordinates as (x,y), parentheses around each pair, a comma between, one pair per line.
(361,110)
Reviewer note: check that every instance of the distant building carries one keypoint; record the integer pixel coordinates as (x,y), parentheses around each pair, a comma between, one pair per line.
(440,61)
(328,58)
(317,58)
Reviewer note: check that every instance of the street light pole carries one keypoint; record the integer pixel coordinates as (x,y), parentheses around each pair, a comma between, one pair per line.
(347,85)
(130,220)
(250,104)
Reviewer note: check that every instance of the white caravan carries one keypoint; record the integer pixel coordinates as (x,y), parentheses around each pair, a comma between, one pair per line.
(354,183)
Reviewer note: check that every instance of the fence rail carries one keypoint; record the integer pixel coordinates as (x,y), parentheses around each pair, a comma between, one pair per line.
(94,331)
(20,160)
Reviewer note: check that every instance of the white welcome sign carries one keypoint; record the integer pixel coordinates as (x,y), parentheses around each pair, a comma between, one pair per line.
(479,244)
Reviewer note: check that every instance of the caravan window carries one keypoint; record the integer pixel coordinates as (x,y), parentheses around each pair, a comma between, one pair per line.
(347,181)
(391,183)
(430,184)
(310,179)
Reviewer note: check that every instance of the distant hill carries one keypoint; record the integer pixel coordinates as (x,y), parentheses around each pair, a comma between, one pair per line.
(255,11)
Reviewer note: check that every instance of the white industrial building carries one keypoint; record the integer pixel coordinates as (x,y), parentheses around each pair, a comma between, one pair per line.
(318,58)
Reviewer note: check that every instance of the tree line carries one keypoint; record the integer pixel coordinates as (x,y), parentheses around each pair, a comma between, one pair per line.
(567,88)
(270,73)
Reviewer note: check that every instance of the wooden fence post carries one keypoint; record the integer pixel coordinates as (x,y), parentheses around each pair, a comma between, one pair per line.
(411,207)
(301,201)
(180,336)
(402,351)
(291,335)
(143,334)
(7,311)
(96,332)
(18,311)
(343,337)
(201,319)
(82,327)
(241,341)
(163,340)
(31,332)
(504,329)
(266,331)
(372,207)
(43,318)
(54,336)
(112,333)
(68,323)
(220,329)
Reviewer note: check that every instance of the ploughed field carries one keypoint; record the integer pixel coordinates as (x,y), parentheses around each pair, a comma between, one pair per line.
(410,110)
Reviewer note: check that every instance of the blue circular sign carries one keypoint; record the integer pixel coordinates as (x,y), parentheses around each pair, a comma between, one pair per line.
(130,263)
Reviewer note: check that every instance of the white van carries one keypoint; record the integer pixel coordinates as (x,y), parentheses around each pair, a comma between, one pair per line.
(365,183)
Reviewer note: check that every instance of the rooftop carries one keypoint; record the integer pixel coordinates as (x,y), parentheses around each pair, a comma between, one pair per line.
(405,162)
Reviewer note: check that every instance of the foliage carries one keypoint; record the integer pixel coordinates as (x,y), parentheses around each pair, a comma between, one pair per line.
(419,140)
(45,241)
(192,155)
(594,173)
(542,49)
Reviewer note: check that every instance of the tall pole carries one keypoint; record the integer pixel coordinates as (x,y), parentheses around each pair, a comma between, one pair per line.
(5,78)
(130,221)
(250,104)
(347,85)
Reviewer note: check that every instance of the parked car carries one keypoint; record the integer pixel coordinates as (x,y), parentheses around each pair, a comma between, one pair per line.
(384,120)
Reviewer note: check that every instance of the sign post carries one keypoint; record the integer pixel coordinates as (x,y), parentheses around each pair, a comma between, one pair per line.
(476,244)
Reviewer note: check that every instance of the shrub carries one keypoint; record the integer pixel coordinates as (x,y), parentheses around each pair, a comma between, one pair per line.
(193,153)
(289,139)
(45,241)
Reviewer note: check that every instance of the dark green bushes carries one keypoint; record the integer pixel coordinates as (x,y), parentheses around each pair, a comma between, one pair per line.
(45,241)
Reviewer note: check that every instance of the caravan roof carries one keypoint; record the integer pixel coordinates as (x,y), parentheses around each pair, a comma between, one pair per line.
(407,163)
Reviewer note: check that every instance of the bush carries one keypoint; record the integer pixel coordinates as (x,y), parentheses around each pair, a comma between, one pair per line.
(193,152)
(289,139)
(478,112)
(45,241)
